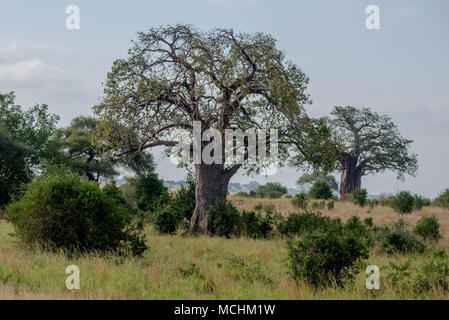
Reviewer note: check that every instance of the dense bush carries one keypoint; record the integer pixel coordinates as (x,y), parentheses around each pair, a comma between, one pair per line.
(166,219)
(322,258)
(300,200)
(115,193)
(271,190)
(397,239)
(320,190)
(224,219)
(443,199)
(151,193)
(254,224)
(419,202)
(434,273)
(428,228)
(359,196)
(183,201)
(68,212)
(331,205)
(403,202)
(306,222)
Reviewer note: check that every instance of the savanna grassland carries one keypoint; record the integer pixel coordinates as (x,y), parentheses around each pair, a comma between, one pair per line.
(179,267)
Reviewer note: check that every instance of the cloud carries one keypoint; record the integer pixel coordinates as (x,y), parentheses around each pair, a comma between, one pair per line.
(13,50)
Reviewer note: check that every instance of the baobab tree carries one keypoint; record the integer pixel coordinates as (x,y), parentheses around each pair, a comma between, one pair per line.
(369,143)
(177,75)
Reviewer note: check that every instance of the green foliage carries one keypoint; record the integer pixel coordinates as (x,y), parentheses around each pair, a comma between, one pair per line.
(166,219)
(151,193)
(224,218)
(320,190)
(443,199)
(271,190)
(25,139)
(428,228)
(331,205)
(397,239)
(434,273)
(80,155)
(254,224)
(419,202)
(68,212)
(300,200)
(324,258)
(183,202)
(359,196)
(302,223)
(115,193)
(403,202)
(310,179)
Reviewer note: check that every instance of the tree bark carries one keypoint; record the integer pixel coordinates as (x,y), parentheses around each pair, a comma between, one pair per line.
(211,187)
(351,175)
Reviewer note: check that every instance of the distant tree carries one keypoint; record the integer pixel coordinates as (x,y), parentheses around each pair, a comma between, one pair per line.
(369,143)
(271,190)
(320,190)
(25,140)
(34,128)
(311,178)
(224,80)
(81,155)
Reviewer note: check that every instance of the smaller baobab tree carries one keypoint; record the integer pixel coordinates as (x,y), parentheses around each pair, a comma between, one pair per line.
(369,143)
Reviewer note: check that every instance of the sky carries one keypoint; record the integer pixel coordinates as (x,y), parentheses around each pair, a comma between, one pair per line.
(401,69)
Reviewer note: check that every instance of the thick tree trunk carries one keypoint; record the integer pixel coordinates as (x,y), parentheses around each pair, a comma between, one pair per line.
(211,187)
(351,175)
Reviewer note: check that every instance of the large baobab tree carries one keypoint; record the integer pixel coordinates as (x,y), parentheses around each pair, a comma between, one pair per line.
(176,75)
(369,143)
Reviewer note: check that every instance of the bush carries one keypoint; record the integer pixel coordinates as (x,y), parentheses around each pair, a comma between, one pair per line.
(166,220)
(183,201)
(68,212)
(359,196)
(224,219)
(271,190)
(397,239)
(403,202)
(113,192)
(419,202)
(434,273)
(300,201)
(320,259)
(428,228)
(306,222)
(254,225)
(151,193)
(443,199)
(331,205)
(320,190)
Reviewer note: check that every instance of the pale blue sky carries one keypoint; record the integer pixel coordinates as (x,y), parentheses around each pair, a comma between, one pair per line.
(401,70)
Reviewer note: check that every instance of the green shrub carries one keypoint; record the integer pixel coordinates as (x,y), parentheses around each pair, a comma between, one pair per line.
(68,212)
(397,239)
(306,222)
(224,219)
(271,190)
(320,259)
(300,201)
(183,201)
(419,202)
(359,196)
(428,228)
(151,193)
(434,273)
(320,190)
(166,219)
(368,222)
(331,205)
(114,192)
(403,202)
(255,225)
(443,199)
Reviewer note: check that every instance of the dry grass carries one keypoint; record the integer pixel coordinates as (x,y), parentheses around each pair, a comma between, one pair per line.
(194,268)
